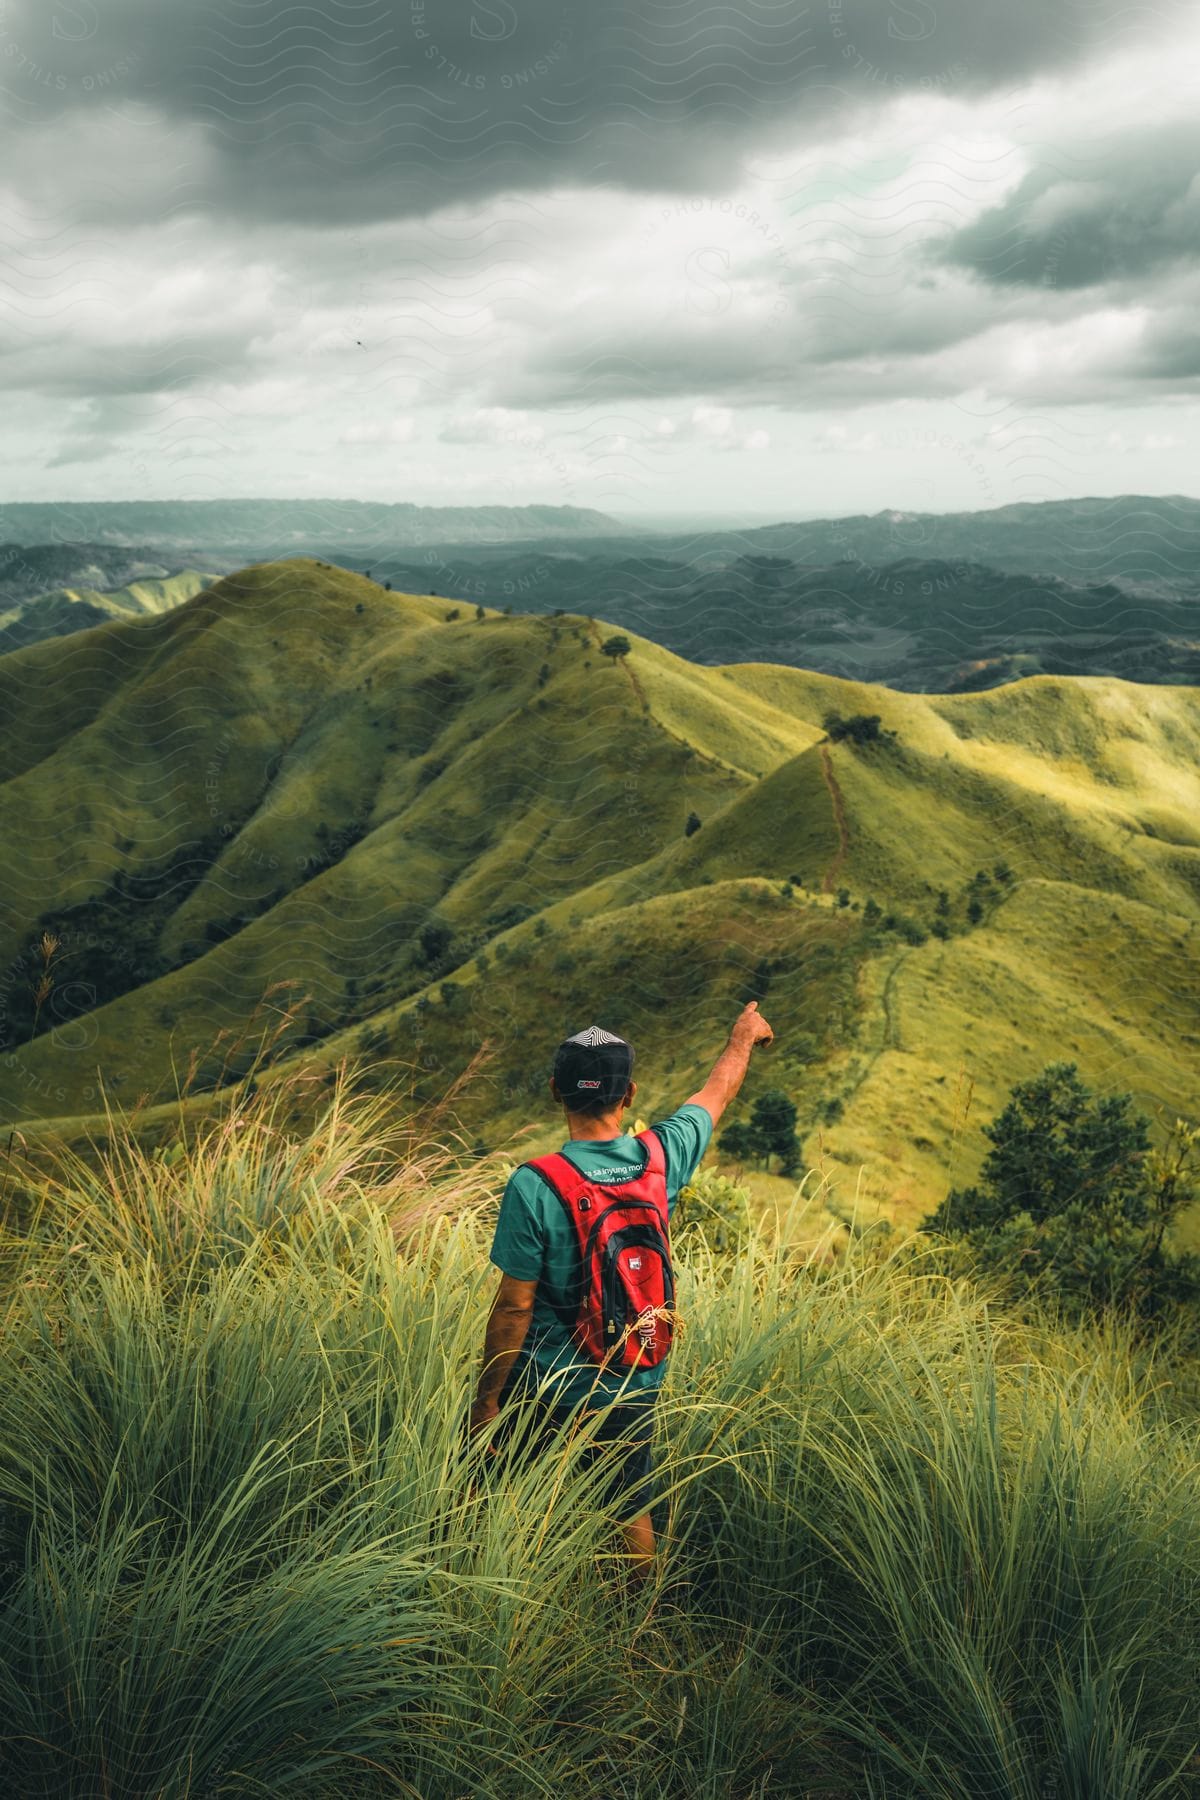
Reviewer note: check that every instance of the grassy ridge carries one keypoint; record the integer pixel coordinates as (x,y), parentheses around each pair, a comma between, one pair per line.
(69,609)
(908,1549)
(261,798)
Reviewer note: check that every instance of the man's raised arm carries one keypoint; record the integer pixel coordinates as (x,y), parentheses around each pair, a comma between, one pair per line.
(729,1070)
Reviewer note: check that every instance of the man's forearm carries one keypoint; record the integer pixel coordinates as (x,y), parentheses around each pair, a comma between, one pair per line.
(728,1074)
(507,1328)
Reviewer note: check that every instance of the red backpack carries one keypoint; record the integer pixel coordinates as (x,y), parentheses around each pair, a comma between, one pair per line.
(625,1313)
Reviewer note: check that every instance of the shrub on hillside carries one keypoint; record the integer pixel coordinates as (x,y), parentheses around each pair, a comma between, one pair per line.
(860,728)
(435,939)
(1073,1205)
(508,916)
(717,1209)
(430,769)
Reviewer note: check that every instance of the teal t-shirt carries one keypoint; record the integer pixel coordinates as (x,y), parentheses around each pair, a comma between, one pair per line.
(535,1241)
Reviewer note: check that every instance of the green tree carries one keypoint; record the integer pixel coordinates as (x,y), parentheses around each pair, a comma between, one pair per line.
(693,824)
(974,910)
(480,612)
(770,1131)
(1072,1203)
(616,646)
(872,911)
(860,728)
(943,903)
(740,1141)
(435,939)
(843,896)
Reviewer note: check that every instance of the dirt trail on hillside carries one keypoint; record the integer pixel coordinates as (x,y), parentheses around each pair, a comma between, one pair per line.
(839,814)
(891,1024)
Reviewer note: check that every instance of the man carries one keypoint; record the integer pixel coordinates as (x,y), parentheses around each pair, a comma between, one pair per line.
(536,1250)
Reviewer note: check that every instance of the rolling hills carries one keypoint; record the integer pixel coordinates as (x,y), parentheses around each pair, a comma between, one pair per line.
(929,603)
(445,830)
(28,571)
(923,624)
(70,609)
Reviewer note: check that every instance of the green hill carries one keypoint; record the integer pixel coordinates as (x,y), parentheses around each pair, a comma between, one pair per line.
(69,609)
(448,832)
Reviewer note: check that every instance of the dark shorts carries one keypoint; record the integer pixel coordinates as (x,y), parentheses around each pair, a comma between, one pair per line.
(628,1487)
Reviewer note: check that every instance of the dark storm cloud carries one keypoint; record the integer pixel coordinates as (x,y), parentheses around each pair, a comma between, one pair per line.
(1170,350)
(354,110)
(1089,218)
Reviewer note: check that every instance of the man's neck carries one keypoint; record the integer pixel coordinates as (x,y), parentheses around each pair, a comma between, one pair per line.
(581,1126)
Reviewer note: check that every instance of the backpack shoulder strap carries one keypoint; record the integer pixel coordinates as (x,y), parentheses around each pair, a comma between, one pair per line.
(656,1156)
(567,1181)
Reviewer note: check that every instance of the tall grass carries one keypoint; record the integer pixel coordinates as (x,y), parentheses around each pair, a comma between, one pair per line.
(908,1548)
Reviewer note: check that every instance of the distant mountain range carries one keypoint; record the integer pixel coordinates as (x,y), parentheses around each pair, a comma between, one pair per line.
(261,528)
(925,625)
(930,603)
(1137,539)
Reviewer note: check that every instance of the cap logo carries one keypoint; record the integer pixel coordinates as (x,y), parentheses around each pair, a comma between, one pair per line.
(587,1084)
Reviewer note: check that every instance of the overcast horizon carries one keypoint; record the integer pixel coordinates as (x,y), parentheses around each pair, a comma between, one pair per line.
(666,259)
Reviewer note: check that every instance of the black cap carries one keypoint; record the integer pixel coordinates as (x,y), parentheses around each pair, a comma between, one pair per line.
(592,1069)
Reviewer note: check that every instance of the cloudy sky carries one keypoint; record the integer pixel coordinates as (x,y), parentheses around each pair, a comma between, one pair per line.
(654,256)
